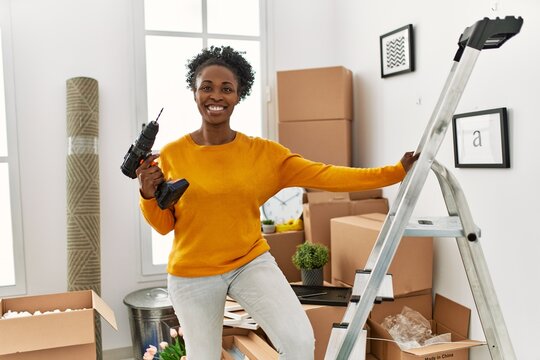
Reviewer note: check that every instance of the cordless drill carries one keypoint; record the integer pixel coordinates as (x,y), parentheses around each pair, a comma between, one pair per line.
(167,193)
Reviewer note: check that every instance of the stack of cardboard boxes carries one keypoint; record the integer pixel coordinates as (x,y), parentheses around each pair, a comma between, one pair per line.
(315,116)
(321,207)
(315,113)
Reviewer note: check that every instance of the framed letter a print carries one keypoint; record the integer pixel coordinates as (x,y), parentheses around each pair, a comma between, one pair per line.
(481,139)
(397,51)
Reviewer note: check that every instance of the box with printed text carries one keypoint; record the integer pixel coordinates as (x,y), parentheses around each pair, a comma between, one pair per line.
(447,317)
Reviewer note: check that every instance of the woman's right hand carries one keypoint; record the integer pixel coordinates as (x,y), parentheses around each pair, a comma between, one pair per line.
(408,160)
(150,176)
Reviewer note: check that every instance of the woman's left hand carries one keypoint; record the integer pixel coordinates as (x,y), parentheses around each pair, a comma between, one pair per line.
(408,160)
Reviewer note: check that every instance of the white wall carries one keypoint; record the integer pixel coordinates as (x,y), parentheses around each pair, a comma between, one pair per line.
(56,40)
(391,114)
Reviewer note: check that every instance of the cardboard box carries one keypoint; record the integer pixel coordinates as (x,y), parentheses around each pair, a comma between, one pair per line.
(321,207)
(447,316)
(322,318)
(64,335)
(353,238)
(314,196)
(282,247)
(422,302)
(326,93)
(251,345)
(326,141)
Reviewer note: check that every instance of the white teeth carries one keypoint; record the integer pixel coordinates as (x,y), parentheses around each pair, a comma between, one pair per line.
(215,108)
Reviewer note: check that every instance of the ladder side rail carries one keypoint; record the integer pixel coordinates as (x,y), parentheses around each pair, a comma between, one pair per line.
(455,200)
(410,176)
(436,132)
(389,241)
(429,127)
(392,231)
(485,297)
(490,34)
(431,140)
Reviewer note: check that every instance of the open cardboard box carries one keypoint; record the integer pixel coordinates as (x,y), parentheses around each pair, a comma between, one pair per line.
(448,317)
(64,335)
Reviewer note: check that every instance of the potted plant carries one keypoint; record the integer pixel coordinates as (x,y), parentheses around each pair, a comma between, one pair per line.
(268,226)
(310,258)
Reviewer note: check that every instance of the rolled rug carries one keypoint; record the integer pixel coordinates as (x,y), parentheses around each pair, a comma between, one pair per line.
(82,181)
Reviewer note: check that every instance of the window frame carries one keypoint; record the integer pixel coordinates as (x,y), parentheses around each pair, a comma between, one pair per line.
(149,271)
(19,288)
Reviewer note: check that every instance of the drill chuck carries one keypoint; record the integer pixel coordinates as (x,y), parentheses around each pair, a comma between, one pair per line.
(140,149)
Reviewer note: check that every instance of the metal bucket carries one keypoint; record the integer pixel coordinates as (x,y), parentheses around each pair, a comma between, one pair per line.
(151,316)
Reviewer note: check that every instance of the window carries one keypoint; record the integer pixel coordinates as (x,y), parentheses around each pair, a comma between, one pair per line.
(12,278)
(173,31)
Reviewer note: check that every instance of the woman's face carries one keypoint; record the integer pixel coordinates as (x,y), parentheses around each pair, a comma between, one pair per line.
(216,94)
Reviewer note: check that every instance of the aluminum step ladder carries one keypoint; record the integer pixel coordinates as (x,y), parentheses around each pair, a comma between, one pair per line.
(372,283)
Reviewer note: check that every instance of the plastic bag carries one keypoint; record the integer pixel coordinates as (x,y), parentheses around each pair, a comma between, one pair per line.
(411,330)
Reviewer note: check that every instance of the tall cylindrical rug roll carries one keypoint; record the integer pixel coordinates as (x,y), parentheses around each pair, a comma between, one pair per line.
(83,222)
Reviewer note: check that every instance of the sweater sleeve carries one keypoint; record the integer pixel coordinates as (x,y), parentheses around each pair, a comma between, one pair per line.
(297,171)
(161,220)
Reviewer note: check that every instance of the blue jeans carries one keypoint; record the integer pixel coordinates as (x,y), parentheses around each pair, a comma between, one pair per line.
(262,289)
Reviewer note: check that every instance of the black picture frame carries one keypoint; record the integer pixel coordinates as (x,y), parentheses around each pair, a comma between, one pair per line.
(481,139)
(397,51)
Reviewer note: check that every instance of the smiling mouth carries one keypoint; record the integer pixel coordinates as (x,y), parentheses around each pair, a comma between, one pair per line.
(215,108)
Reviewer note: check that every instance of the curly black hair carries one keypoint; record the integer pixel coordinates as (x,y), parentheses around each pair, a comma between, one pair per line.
(225,56)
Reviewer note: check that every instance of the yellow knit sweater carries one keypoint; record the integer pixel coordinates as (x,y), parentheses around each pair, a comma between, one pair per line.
(216,222)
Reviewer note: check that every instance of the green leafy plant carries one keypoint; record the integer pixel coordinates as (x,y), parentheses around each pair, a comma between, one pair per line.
(267,222)
(175,351)
(310,256)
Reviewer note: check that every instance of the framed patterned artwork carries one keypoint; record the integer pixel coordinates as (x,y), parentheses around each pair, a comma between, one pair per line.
(397,51)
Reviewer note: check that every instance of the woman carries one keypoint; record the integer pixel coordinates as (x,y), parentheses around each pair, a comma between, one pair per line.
(218,248)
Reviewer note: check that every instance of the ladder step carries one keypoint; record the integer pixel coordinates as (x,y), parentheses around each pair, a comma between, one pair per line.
(339,330)
(351,309)
(434,226)
(386,290)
